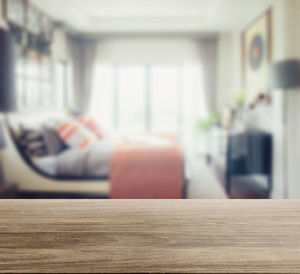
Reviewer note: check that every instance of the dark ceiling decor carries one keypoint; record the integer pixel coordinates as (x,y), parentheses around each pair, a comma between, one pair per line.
(30,27)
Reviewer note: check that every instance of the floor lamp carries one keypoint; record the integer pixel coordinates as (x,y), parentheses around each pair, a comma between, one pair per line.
(7,85)
(284,76)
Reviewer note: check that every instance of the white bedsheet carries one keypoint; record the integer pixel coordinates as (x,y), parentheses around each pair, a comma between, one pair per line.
(46,164)
(92,161)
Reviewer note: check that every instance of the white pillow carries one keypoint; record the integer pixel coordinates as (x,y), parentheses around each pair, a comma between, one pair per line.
(74,134)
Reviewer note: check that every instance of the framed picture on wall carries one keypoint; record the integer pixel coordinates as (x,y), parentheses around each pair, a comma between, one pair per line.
(257,55)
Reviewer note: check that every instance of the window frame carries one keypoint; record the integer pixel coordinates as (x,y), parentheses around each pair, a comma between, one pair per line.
(65,86)
(148,123)
(23,100)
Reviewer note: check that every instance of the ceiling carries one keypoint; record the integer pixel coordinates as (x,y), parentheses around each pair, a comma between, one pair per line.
(111,16)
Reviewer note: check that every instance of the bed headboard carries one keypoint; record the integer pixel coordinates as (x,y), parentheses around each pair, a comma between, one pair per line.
(34,117)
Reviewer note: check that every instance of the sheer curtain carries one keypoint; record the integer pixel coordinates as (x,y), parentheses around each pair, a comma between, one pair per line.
(208,51)
(154,84)
(83,54)
(149,97)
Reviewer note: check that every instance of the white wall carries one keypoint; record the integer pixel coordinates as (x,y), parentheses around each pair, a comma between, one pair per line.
(286,122)
(292,98)
(148,49)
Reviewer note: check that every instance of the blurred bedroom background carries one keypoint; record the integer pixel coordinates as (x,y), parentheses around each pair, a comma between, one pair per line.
(133,99)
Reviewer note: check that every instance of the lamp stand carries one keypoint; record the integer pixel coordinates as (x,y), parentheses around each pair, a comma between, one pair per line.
(285,138)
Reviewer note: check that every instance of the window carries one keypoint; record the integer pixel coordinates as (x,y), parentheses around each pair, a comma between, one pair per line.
(33,81)
(130,95)
(61,82)
(103,103)
(165,92)
(147,97)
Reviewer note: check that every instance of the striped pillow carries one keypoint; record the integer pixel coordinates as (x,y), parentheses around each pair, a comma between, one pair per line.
(32,142)
(91,124)
(74,134)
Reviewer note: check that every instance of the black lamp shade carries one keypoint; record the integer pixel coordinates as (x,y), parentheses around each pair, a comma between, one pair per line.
(285,74)
(7,73)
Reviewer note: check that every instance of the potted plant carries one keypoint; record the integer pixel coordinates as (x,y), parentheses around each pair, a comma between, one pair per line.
(204,127)
(240,100)
(206,124)
(239,108)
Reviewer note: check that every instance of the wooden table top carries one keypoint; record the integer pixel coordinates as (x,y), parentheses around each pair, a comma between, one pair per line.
(149,236)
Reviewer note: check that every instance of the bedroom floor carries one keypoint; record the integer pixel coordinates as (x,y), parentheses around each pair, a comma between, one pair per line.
(203,181)
(208,183)
(203,184)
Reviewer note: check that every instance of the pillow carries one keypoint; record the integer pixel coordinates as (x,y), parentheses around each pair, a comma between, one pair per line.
(74,134)
(91,124)
(53,143)
(32,142)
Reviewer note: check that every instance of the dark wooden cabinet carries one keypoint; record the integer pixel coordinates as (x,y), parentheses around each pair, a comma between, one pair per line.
(249,153)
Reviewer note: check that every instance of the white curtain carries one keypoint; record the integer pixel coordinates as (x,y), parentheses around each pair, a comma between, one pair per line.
(83,54)
(208,51)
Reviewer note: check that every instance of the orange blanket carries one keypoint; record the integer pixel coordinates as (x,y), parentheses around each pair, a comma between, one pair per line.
(147,167)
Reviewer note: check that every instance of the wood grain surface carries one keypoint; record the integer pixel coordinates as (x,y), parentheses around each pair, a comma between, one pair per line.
(149,236)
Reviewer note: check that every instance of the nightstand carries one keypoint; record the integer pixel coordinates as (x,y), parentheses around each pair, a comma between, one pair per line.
(249,153)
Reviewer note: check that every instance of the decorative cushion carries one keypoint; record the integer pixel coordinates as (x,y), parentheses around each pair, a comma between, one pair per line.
(32,142)
(91,124)
(74,134)
(53,142)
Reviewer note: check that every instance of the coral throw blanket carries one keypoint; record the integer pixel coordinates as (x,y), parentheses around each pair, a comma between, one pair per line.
(147,167)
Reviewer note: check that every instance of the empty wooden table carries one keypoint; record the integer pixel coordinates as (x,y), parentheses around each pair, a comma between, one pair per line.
(149,236)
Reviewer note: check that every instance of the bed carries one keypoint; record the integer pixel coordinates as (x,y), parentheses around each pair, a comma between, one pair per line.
(131,167)
(29,178)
